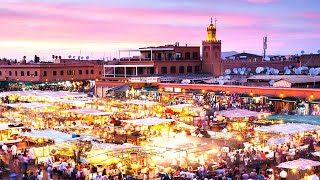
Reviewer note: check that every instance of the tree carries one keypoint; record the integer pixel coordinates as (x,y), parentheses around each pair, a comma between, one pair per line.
(302,52)
(56,57)
(60,57)
(318,51)
(70,56)
(53,56)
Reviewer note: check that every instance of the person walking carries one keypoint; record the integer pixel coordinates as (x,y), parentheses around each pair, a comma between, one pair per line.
(14,151)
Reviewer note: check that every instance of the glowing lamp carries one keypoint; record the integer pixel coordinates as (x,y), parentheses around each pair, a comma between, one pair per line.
(311,96)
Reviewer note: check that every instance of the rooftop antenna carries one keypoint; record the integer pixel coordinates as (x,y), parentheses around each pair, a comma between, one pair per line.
(265,46)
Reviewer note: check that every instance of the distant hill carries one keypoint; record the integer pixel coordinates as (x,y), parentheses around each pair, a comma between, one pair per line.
(228,53)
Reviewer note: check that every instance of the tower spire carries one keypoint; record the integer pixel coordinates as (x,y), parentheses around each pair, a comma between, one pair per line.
(211,20)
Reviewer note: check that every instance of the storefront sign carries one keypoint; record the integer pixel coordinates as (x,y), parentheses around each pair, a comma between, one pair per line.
(168,89)
(143,79)
(177,89)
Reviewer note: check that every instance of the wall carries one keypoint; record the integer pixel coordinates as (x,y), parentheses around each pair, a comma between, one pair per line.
(302,92)
(49,68)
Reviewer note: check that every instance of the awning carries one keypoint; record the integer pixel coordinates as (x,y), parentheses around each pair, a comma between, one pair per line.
(300,164)
(316,101)
(150,89)
(290,99)
(122,88)
(273,97)
(244,95)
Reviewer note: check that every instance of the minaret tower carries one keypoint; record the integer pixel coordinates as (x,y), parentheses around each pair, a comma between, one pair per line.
(211,51)
(211,30)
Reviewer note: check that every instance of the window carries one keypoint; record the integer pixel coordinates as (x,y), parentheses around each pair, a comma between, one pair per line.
(22,73)
(100,72)
(92,71)
(159,57)
(170,56)
(197,69)
(36,73)
(150,70)
(44,73)
(70,72)
(189,69)
(10,73)
(178,56)
(16,73)
(61,73)
(173,70)
(181,69)
(87,71)
(187,55)
(80,72)
(28,73)
(195,55)
(54,73)
(0,73)
(163,70)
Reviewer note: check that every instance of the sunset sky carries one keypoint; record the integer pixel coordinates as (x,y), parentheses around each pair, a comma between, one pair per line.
(98,27)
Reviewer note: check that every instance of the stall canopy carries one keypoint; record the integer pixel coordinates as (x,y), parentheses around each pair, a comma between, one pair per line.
(280,140)
(316,153)
(296,119)
(148,121)
(57,136)
(112,147)
(6,127)
(288,128)
(139,102)
(179,106)
(91,112)
(240,113)
(28,105)
(300,164)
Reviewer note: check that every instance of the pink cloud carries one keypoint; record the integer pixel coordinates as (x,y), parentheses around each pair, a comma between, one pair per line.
(108,24)
(311,14)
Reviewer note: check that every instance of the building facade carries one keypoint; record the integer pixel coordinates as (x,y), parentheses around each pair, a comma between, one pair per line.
(161,60)
(50,72)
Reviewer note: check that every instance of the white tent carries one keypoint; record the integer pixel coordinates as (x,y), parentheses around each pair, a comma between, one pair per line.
(300,164)
(290,128)
(57,136)
(240,113)
(316,153)
(148,121)
(312,177)
(139,102)
(91,112)
(280,140)
(29,105)
(179,106)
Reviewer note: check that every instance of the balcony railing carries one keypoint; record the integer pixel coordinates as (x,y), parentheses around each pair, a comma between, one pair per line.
(159,59)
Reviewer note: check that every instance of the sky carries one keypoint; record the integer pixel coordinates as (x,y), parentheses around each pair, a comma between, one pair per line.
(99,28)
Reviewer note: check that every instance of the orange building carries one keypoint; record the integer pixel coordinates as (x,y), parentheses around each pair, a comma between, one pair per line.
(168,59)
(50,72)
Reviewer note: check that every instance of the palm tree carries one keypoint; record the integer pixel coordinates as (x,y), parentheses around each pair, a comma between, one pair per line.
(53,56)
(70,56)
(60,57)
(302,52)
